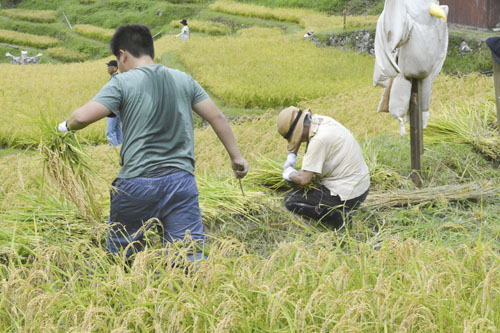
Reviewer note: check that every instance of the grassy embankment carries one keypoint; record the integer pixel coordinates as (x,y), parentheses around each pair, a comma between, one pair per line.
(432,266)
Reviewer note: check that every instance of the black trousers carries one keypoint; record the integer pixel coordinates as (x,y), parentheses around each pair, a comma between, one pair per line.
(320,205)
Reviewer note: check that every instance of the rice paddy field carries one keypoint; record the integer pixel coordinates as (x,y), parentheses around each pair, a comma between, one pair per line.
(412,260)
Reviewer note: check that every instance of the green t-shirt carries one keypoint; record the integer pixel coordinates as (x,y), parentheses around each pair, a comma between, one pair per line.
(155,107)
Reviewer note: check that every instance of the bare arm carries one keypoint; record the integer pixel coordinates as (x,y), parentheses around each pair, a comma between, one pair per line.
(211,113)
(86,115)
(302,177)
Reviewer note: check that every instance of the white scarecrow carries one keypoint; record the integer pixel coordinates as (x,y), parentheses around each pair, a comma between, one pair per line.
(410,43)
(23,59)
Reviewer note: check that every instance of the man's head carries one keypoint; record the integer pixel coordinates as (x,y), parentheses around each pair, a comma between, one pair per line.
(184,22)
(136,39)
(290,125)
(112,67)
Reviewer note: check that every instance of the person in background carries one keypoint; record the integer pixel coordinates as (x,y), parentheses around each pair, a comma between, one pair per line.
(114,128)
(156,180)
(333,156)
(185,31)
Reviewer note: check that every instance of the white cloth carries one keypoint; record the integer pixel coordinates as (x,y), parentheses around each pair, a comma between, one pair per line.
(184,33)
(291,160)
(336,157)
(409,43)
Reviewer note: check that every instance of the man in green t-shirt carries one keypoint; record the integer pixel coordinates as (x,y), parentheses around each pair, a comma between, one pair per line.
(156,180)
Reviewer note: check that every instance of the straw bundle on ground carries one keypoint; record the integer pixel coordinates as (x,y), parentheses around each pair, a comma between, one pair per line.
(453,192)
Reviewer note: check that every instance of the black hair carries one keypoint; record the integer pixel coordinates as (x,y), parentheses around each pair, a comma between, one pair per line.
(135,38)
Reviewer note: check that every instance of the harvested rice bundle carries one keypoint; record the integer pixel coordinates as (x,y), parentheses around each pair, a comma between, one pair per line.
(454,192)
(471,125)
(223,201)
(269,173)
(68,166)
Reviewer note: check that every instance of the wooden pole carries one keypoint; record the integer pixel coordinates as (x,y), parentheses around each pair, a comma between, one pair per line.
(416,131)
(496,78)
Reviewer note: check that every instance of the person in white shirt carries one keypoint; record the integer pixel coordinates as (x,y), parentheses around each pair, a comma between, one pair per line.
(333,156)
(185,31)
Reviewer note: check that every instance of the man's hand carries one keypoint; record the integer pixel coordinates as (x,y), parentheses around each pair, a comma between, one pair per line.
(240,168)
(63,127)
(288,172)
(291,161)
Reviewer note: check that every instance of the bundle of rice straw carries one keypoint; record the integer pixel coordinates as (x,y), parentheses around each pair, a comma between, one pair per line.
(473,125)
(469,191)
(68,165)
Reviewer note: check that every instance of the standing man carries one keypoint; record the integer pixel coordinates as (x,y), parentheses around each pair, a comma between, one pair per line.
(114,128)
(157,175)
(334,156)
(184,31)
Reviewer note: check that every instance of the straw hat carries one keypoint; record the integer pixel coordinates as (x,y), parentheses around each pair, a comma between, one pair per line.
(290,125)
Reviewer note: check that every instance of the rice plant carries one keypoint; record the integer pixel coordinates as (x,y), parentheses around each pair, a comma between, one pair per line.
(43,16)
(285,71)
(20,38)
(94,32)
(66,55)
(211,28)
(223,202)
(67,164)
(306,18)
(469,124)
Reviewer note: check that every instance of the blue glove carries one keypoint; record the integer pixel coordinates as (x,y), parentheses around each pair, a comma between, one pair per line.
(291,161)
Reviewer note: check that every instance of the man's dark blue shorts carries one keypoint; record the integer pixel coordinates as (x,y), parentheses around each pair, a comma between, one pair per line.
(172,199)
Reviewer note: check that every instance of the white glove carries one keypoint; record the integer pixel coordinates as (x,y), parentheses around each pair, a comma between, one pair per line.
(291,160)
(63,127)
(288,172)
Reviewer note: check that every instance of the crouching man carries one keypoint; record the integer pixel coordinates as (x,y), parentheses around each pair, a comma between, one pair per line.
(334,156)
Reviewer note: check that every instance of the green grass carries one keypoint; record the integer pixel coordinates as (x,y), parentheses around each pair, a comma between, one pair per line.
(479,60)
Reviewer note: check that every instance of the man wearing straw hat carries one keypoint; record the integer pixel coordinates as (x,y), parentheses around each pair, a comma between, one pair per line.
(156,180)
(333,155)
